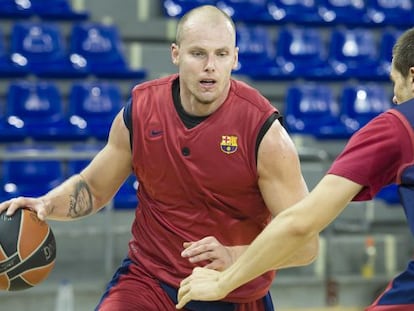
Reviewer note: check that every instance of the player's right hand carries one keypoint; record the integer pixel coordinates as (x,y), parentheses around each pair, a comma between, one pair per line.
(35,204)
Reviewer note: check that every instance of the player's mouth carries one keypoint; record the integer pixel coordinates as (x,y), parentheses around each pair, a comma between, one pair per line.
(208,83)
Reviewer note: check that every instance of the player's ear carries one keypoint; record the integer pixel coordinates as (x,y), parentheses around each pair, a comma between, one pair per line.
(175,54)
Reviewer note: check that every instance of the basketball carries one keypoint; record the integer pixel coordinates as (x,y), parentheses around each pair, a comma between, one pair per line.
(27,250)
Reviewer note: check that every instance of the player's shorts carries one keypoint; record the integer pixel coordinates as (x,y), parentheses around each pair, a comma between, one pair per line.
(132,289)
(399,294)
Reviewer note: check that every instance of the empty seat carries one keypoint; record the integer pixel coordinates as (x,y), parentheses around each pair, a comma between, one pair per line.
(347,12)
(391,12)
(245,10)
(388,39)
(361,103)
(11,65)
(353,53)
(302,52)
(31,177)
(37,108)
(43,47)
(93,106)
(177,8)
(102,47)
(57,10)
(256,53)
(312,109)
(294,11)
(16,9)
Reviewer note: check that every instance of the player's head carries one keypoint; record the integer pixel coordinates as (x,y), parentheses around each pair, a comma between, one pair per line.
(402,69)
(205,52)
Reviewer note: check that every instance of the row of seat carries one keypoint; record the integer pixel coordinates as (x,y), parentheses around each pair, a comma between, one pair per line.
(40,48)
(40,172)
(315,110)
(316,12)
(36,109)
(44,9)
(313,53)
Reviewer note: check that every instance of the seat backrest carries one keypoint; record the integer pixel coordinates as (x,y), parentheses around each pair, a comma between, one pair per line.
(353,45)
(388,39)
(310,106)
(300,45)
(177,8)
(100,44)
(361,103)
(38,41)
(35,102)
(95,102)
(31,177)
(391,12)
(255,45)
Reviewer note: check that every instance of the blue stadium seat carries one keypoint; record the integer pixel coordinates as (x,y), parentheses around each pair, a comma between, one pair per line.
(38,108)
(346,12)
(93,106)
(126,197)
(302,52)
(294,11)
(361,103)
(245,10)
(102,47)
(177,8)
(256,53)
(312,109)
(13,9)
(33,177)
(57,10)
(43,47)
(397,13)
(353,53)
(388,39)
(11,65)
(75,166)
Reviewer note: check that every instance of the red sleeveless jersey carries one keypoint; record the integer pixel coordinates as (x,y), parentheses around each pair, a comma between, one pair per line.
(196,182)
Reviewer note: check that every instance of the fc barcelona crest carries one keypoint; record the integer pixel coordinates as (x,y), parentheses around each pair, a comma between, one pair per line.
(228,143)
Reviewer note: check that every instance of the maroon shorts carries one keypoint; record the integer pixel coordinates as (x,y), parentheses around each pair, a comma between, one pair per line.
(132,289)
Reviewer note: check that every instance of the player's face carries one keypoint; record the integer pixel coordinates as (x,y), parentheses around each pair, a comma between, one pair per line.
(403,86)
(205,57)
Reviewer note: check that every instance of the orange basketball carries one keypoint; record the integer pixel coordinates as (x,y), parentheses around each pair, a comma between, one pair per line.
(27,250)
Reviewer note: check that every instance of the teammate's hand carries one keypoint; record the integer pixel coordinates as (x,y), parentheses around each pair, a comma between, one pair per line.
(209,249)
(35,204)
(202,284)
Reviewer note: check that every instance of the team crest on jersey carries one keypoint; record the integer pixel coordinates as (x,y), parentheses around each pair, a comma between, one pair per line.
(228,143)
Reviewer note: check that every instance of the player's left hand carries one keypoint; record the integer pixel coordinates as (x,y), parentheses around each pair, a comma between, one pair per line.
(209,249)
(202,284)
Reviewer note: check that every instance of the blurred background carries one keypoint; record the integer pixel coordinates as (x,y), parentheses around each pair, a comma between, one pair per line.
(67,67)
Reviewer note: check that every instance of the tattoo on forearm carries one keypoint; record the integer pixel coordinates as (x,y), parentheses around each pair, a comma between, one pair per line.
(80,201)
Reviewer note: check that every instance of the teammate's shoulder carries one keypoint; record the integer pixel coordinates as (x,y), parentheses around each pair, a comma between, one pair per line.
(155,82)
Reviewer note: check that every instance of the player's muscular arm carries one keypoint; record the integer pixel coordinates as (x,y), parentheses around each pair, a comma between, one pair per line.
(87,192)
(282,184)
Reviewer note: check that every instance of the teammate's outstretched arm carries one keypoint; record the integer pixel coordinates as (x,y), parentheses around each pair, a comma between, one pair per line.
(288,231)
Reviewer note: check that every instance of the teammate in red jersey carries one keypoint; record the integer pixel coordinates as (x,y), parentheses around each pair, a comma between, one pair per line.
(213,162)
(379,154)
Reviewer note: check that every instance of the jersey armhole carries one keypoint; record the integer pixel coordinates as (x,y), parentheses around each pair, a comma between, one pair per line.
(128,119)
(265,127)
